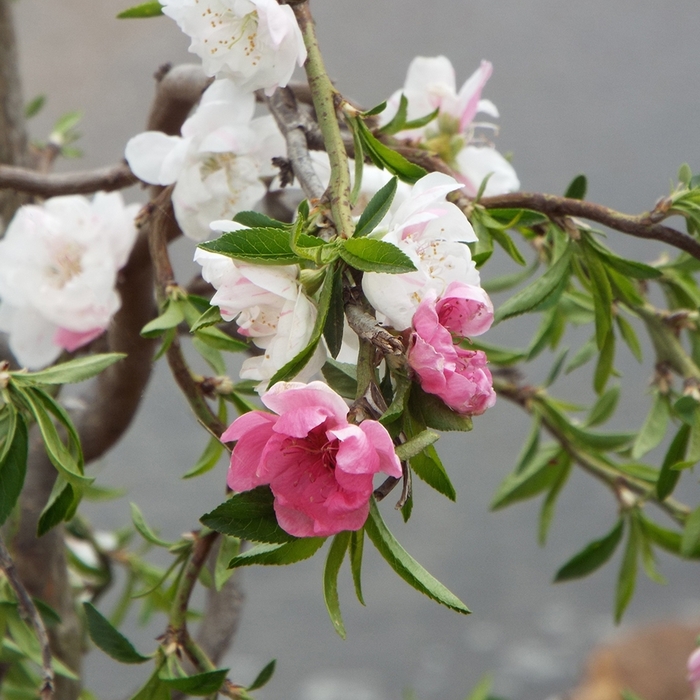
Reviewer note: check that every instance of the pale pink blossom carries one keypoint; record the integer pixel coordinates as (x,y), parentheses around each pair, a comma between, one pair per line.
(319,467)
(256,43)
(268,304)
(694,672)
(432,232)
(459,377)
(465,310)
(218,162)
(58,272)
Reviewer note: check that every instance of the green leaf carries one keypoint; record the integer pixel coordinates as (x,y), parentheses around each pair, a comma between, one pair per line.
(254,219)
(399,119)
(60,506)
(627,577)
(210,317)
(429,468)
(397,406)
(506,242)
(279,554)
(109,639)
(506,282)
(577,188)
(537,291)
(229,547)
(416,444)
(32,108)
(604,407)
(604,366)
(147,9)
(520,218)
(154,689)
(654,428)
(669,476)
(144,530)
(430,411)
(336,554)
(593,556)
(207,460)
(602,295)
(384,157)
(583,355)
(691,533)
(375,110)
(13,464)
(496,355)
(668,540)
(261,246)
(297,363)
(549,503)
(630,337)
(250,516)
(217,339)
(482,690)
(335,320)
(537,476)
(405,565)
(357,542)
(685,174)
(370,255)
(201,684)
(70,372)
(376,209)
(263,677)
(341,377)
(173,315)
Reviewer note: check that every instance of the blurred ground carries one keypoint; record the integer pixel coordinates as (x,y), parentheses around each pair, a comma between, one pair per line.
(609,89)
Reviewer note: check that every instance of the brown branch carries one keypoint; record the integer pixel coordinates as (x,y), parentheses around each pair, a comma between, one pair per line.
(114,177)
(29,610)
(641,226)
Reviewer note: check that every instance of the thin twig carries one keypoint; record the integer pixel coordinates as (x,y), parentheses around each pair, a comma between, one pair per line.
(113,177)
(27,606)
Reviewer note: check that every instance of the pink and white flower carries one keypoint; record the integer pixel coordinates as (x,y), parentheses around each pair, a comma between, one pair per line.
(465,310)
(269,306)
(432,232)
(694,672)
(58,270)
(459,377)
(256,43)
(319,467)
(218,161)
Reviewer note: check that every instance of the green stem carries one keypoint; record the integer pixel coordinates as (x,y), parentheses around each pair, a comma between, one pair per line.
(323,94)
(365,367)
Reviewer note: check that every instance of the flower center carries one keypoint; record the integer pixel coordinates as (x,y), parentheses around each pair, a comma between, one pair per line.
(66,263)
(316,443)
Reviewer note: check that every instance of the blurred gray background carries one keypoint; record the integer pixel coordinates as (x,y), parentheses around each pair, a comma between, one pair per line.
(606,87)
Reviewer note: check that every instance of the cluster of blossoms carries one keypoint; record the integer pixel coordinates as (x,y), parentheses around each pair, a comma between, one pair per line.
(58,270)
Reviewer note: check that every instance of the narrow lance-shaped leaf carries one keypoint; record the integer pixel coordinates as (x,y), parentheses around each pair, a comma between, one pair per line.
(405,565)
(70,372)
(357,542)
(144,530)
(591,557)
(376,209)
(146,9)
(201,684)
(627,577)
(654,428)
(109,639)
(336,555)
(279,554)
(263,677)
(13,465)
(668,477)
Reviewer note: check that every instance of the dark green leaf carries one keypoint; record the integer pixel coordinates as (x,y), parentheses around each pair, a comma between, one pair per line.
(583,355)
(405,565)
(505,241)
(592,557)
(537,291)
(520,218)
(668,477)
(263,677)
(627,577)
(496,355)
(370,255)
(261,246)
(147,9)
(201,684)
(376,209)
(109,639)
(629,268)
(341,377)
(577,188)
(357,542)
(399,119)
(549,503)
(144,530)
(336,554)
(691,533)
(48,615)
(604,366)
(604,407)
(335,320)
(602,295)
(217,339)
(70,372)
(154,689)
(254,219)
(208,459)
(279,554)
(630,337)
(429,468)
(210,317)
(398,402)
(556,369)
(429,410)
(415,445)
(249,515)
(505,282)
(13,465)
(59,507)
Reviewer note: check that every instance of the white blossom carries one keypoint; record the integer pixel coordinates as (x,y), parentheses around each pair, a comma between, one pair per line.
(432,233)
(58,271)
(216,164)
(256,43)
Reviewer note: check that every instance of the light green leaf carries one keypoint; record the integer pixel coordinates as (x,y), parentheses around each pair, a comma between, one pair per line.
(416,444)
(173,315)
(654,428)
(604,407)
(144,530)
(109,639)
(147,9)
(207,460)
(691,533)
(591,557)
(583,355)
(210,317)
(405,565)
(604,366)
(630,337)
(229,547)
(336,554)
(549,503)
(261,246)
(70,372)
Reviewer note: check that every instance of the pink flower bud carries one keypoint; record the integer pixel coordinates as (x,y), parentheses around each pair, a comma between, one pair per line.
(465,310)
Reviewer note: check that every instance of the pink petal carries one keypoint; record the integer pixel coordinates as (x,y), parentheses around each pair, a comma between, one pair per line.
(288,396)
(72,340)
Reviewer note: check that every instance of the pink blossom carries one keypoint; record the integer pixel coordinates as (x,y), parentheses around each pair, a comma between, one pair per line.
(72,340)
(459,377)
(694,671)
(319,466)
(465,310)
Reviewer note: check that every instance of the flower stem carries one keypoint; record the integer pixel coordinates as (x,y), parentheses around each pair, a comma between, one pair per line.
(324,95)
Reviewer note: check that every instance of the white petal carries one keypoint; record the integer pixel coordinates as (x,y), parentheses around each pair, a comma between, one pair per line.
(475,163)
(155,157)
